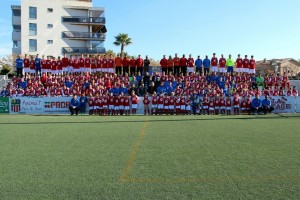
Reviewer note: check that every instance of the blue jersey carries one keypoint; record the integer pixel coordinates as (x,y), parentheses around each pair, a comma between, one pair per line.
(38,63)
(19,63)
(83,101)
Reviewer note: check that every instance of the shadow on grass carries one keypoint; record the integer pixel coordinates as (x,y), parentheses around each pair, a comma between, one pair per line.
(152,119)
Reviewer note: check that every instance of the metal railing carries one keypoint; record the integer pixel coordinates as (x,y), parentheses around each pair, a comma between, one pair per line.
(83,35)
(84,20)
(4,80)
(84,50)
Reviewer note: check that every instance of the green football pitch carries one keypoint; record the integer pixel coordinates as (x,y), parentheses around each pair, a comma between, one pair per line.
(150,157)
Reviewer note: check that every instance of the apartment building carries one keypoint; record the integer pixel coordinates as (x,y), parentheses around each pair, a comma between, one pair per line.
(55,27)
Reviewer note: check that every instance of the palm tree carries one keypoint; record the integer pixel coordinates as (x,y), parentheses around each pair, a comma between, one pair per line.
(122,40)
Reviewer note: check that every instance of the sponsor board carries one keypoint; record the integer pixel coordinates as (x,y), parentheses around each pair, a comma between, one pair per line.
(4,105)
(26,105)
(286,104)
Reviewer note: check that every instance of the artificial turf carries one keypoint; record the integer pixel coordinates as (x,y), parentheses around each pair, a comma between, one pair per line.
(150,157)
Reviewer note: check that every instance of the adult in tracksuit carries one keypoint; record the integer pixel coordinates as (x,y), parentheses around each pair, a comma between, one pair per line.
(206,65)
(267,105)
(198,64)
(256,105)
(74,105)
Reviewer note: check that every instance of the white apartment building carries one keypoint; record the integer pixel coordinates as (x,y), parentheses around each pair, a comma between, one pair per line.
(55,27)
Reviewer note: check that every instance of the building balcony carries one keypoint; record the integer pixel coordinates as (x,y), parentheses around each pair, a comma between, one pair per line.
(84,36)
(16,20)
(16,36)
(16,51)
(84,20)
(84,50)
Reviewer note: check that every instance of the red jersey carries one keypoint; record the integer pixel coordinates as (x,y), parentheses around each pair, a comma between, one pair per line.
(228,102)
(146,100)
(59,65)
(104,63)
(26,63)
(191,62)
(239,63)
(32,65)
(139,62)
(53,65)
(65,62)
(91,101)
(183,62)
(116,101)
(236,101)
(134,99)
(81,62)
(246,63)
(164,63)
(252,64)
(127,101)
(126,62)
(111,63)
(154,100)
(214,61)
(87,63)
(93,64)
(166,101)
(222,62)
(132,63)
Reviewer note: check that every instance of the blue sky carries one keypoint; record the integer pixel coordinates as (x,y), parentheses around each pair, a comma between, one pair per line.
(267,29)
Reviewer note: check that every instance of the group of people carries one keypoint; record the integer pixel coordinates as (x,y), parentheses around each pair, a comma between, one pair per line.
(34,65)
(110,104)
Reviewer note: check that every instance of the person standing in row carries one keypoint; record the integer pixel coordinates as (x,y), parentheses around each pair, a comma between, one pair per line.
(146,65)
(198,64)
(176,61)
(230,64)
(206,65)
(214,63)
(19,66)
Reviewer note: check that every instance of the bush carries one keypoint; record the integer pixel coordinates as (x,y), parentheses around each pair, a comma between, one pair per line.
(5,70)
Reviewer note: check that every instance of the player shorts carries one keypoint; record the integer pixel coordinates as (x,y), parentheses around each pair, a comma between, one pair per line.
(214,68)
(134,106)
(188,107)
(177,107)
(116,108)
(121,107)
(244,108)
(154,106)
(87,70)
(110,70)
(76,70)
(239,70)
(71,69)
(230,69)
(96,107)
(93,70)
(236,106)
(32,71)
(205,107)
(105,106)
(104,70)
(251,71)
(191,70)
(223,107)
(228,108)
(217,107)
(126,108)
(160,106)
(246,70)
(99,70)
(65,69)
(26,70)
(211,109)
(91,108)
(222,70)
(166,107)
(111,107)
(182,107)
(59,71)
(171,107)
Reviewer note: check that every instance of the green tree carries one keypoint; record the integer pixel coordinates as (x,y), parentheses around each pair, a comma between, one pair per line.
(122,40)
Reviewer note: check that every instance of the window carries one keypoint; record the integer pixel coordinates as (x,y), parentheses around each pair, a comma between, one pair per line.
(50,25)
(50,10)
(32,45)
(32,29)
(16,28)
(16,13)
(32,12)
(49,41)
(15,44)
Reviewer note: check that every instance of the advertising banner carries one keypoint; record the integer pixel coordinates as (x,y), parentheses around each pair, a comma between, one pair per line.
(286,104)
(4,105)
